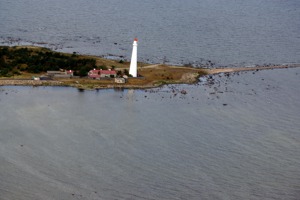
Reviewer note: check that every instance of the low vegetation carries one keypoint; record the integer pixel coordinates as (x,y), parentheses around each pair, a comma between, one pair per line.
(24,62)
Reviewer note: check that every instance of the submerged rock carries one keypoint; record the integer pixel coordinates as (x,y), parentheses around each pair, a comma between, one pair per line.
(183,92)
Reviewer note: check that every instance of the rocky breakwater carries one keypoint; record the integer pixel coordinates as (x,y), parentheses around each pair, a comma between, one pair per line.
(30,82)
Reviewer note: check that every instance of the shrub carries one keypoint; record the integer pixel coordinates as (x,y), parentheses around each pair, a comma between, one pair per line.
(103,67)
(126,72)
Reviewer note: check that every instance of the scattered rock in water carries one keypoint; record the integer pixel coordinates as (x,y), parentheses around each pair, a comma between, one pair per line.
(183,92)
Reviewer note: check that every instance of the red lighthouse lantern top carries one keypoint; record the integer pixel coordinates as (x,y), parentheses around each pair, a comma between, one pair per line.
(135,39)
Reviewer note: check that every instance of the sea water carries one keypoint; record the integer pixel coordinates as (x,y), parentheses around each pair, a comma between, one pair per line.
(202,32)
(235,137)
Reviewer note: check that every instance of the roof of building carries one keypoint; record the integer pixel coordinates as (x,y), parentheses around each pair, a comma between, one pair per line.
(61,72)
(94,76)
(108,72)
(100,71)
(70,71)
(55,72)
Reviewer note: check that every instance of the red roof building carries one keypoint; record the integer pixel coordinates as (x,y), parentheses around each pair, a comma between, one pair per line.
(99,73)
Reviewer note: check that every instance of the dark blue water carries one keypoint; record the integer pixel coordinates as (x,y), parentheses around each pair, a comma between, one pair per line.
(227,32)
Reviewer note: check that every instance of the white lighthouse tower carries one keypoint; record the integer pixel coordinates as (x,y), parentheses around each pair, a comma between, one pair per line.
(133,62)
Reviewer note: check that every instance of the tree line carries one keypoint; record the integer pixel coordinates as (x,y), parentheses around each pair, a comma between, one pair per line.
(15,60)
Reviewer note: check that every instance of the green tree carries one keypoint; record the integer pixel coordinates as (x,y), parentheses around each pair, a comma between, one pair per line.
(83,71)
(4,72)
(126,72)
(103,67)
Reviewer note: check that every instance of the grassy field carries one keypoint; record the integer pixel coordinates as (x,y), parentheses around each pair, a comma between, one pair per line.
(151,77)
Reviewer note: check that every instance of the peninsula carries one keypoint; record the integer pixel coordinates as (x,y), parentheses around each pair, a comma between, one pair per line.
(20,65)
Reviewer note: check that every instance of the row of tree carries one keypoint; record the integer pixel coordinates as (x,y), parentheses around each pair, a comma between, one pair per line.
(15,60)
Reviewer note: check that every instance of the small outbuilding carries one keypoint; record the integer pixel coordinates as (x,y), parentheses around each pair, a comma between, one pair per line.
(120,80)
(36,78)
(61,74)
